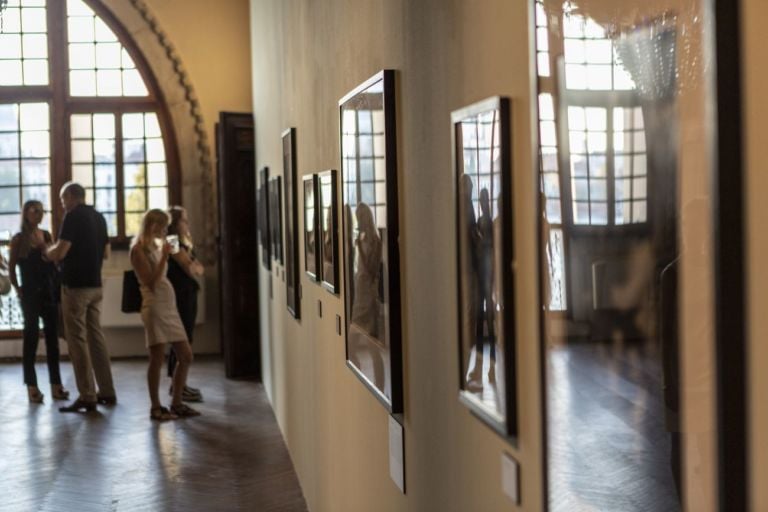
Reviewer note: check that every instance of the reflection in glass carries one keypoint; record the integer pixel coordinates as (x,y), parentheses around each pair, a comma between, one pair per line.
(625,138)
(479,166)
(310,226)
(373,349)
(328,229)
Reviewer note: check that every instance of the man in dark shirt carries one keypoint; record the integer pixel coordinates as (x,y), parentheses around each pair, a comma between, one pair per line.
(80,250)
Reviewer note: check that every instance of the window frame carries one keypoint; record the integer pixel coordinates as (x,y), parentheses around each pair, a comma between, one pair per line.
(62,105)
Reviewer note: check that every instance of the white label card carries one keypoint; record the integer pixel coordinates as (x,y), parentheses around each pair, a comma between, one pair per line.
(396,454)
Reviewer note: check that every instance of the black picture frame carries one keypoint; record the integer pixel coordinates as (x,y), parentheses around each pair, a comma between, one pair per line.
(275,219)
(311,228)
(290,194)
(327,188)
(263,212)
(485,257)
(370,236)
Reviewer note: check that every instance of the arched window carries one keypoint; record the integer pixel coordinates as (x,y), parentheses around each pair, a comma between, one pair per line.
(78,101)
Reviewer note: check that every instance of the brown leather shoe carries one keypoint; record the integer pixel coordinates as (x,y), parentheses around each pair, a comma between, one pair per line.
(78,406)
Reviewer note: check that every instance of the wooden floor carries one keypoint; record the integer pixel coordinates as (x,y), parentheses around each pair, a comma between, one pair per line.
(231,458)
(609,449)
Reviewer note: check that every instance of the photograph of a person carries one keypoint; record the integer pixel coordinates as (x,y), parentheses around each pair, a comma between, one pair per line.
(311,249)
(328,185)
(290,173)
(484,229)
(371,259)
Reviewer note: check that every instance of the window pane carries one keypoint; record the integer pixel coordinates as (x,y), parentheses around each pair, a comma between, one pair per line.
(9,200)
(106,200)
(38,193)
(34,116)
(10,46)
(597,166)
(82,151)
(82,56)
(132,223)
(33,20)
(158,198)
(80,126)
(82,83)
(135,200)
(102,32)
(578,166)
(133,126)
(155,150)
(639,211)
(133,150)
(598,190)
(9,117)
(34,172)
(133,83)
(133,175)
(108,82)
(10,72)
(80,29)
(108,55)
(83,174)
(9,172)
(111,219)
(104,150)
(581,213)
(9,145)
(35,144)
(599,214)
(580,190)
(157,175)
(35,72)
(106,176)
(104,125)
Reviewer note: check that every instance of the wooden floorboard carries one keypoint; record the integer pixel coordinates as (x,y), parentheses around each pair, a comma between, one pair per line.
(229,459)
(609,449)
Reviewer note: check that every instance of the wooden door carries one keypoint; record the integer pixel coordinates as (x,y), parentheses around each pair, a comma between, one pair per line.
(238,264)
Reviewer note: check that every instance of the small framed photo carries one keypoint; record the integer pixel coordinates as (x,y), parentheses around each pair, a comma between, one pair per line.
(263,212)
(482,158)
(290,193)
(311,228)
(370,238)
(275,219)
(329,227)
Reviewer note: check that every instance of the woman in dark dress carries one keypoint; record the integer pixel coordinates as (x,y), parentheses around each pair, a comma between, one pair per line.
(39,295)
(183,268)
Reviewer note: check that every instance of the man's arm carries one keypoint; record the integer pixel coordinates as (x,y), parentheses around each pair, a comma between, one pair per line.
(58,251)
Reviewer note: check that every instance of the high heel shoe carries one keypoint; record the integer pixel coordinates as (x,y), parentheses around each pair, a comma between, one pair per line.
(35,396)
(59,393)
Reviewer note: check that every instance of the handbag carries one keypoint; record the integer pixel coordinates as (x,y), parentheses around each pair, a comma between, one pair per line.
(131,302)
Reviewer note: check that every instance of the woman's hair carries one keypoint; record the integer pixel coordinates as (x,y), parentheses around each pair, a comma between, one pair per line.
(152,218)
(26,229)
(176,212)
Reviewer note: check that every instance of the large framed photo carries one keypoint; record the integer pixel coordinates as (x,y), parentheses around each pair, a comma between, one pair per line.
(329,227)
(311,228)
(482,163)
(263,212)
(275,219)
(370,238)
(290,173)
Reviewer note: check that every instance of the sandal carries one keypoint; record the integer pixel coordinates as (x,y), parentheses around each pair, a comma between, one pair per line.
(184,411)
(161,414)
(59,393)
(35,396)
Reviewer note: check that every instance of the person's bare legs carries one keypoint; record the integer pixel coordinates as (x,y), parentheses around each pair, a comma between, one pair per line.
(184,357)
(156,359)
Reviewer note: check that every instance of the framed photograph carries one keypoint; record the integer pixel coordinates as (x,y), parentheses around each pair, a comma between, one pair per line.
(263,212)
(482,163)
(311,228)
(276,219)
(370,238)
(329,227)
(290,173)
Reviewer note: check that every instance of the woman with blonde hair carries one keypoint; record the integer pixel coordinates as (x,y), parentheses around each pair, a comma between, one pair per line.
(39,297)
(149,258)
